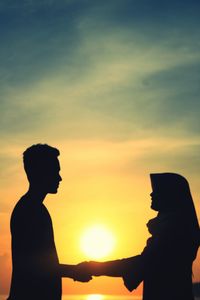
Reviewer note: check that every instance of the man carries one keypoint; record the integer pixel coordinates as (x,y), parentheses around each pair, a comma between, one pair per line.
(36,271)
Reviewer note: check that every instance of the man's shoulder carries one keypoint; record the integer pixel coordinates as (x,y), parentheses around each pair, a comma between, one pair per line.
(24,212)
(22,206)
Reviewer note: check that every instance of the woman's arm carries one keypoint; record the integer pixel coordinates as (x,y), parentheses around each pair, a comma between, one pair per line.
(113,268)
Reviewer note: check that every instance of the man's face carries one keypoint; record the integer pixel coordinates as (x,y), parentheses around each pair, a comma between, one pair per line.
(51,176)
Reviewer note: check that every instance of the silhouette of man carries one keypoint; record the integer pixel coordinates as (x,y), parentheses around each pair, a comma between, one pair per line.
(36,270)
(165,264)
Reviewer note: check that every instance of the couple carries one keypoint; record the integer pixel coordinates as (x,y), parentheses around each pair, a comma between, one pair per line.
(165,264)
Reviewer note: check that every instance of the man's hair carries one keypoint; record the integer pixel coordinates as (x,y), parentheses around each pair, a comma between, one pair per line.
(37,158)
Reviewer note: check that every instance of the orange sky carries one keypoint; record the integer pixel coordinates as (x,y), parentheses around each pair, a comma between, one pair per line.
(114,85)
(98,187)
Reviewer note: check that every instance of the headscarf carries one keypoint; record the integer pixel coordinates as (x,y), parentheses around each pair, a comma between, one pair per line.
(175,198)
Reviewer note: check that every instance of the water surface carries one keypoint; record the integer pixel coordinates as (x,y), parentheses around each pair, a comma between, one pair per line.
(95,297)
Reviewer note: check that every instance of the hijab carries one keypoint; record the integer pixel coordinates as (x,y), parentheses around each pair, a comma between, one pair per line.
(174,202)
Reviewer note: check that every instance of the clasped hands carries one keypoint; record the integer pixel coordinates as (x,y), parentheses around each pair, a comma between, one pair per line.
(84,271)
(118,268)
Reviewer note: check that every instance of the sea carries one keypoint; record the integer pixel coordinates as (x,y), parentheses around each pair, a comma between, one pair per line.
(92,297)
(95,297)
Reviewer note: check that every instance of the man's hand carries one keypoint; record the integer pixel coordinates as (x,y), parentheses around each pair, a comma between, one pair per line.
(81,272)
(93,268)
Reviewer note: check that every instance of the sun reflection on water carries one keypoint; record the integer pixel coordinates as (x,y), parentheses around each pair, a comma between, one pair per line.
(95,297)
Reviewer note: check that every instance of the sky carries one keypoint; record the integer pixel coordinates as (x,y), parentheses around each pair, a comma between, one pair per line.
(114,85)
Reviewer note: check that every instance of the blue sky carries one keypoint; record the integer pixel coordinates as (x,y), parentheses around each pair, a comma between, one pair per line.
(121,72)
(110,70)
(133,65)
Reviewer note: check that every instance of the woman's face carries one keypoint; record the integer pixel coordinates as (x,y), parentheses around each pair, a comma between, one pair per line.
(157,200)
(162,201)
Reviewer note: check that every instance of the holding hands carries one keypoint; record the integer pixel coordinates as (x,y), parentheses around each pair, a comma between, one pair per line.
(84,271)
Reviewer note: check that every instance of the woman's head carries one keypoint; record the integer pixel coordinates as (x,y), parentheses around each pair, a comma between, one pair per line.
(170,192)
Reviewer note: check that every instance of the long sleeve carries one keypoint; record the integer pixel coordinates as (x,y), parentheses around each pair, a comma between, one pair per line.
(130,269)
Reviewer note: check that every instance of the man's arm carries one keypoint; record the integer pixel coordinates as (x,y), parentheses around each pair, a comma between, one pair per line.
(76,272)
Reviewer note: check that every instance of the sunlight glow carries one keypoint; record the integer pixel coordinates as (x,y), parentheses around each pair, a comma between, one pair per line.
(97,242)
(95,297)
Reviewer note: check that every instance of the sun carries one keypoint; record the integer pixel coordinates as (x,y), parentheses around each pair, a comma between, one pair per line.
(97,242)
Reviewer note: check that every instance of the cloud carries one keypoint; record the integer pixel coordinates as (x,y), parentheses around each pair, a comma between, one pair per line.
(169,156)
(99,71)
(116,80)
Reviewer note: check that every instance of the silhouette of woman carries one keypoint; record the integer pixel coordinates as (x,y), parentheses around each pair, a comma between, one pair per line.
(165,264)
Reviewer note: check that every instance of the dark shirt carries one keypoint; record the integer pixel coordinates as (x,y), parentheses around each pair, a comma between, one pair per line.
(35,262)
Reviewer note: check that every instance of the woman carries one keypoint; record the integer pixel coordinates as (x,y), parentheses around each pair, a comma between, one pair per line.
(165,264)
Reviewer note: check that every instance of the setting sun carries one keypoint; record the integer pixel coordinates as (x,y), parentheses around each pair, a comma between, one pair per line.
(97,242)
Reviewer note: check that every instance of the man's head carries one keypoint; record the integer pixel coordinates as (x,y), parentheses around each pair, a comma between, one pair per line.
(42,167)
